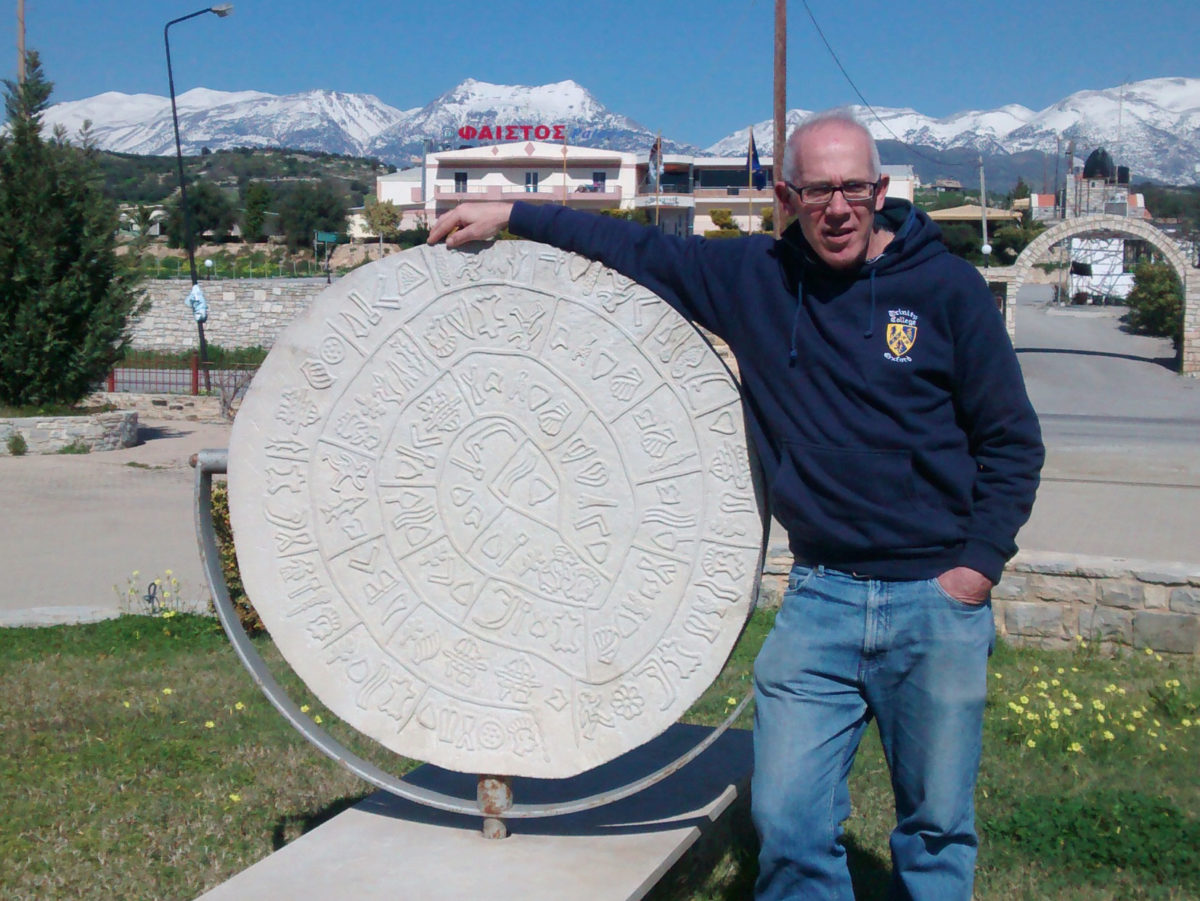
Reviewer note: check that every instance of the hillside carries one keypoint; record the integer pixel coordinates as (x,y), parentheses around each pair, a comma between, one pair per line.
(133,179)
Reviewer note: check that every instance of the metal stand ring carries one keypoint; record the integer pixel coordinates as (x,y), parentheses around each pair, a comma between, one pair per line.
(214,462)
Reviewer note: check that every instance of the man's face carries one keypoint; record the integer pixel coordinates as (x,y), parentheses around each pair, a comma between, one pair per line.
(834,153)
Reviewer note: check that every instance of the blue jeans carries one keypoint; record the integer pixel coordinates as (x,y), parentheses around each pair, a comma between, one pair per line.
(844,650)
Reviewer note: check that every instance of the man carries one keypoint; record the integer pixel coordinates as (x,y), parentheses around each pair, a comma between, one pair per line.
(902,454)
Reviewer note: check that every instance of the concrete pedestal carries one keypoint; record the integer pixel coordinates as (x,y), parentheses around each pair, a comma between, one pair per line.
(387,848)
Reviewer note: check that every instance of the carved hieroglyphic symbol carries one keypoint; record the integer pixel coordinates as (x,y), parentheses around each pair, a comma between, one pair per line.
(496,508)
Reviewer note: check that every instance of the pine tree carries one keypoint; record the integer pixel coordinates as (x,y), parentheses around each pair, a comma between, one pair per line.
(65,298)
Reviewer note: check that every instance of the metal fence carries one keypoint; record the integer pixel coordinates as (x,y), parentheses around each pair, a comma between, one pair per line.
(228,381)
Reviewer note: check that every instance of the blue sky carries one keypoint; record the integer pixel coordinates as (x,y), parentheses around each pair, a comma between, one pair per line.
(696,71)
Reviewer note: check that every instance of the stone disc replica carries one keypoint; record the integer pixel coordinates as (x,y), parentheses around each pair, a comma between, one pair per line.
(496,508)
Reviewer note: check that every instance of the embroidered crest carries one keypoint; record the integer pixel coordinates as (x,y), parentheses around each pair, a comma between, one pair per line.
(901,335)
(900,338)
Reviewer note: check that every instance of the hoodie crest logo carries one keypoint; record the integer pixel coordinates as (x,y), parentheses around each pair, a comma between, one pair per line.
(901,335)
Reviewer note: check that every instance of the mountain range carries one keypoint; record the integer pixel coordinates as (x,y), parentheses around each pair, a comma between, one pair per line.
(1152,126)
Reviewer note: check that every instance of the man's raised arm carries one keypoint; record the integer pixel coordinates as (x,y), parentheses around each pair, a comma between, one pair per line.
(470,222)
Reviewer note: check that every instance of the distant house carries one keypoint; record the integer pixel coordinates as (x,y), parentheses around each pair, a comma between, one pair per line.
(1101,268)
(943,184)
(971,213)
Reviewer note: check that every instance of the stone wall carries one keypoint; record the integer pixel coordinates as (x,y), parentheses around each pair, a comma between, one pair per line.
(241,313)
(50,434)
(1046,600)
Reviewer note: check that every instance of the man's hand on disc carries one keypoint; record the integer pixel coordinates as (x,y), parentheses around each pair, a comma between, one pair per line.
(470,222)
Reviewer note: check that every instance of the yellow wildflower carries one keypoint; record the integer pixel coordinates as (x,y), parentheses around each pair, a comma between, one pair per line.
(1031,743)
(235,797)
(168,691)
(208,724)
(1076,747)
(1108,736)
(239,706)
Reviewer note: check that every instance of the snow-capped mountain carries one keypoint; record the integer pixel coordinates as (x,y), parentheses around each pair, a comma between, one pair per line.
(1152,126)
(477,103)
(313,120)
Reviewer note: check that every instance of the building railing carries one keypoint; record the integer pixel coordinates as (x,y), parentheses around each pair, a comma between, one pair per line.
(580,192)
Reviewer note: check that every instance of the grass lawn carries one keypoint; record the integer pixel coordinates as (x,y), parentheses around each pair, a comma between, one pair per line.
(140,762)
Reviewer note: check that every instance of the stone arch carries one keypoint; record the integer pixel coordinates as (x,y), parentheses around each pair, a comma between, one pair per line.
(1037,251)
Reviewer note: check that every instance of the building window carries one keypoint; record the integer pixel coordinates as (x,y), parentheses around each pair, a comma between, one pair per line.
(598,180)
(531,182)
(460,183)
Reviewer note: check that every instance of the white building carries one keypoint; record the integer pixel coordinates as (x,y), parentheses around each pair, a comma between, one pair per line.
(689,188)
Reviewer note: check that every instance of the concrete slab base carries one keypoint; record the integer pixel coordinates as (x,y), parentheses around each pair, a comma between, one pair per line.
(387,848)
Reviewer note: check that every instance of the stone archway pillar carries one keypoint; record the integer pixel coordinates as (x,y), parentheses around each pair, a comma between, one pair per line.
(1191,324)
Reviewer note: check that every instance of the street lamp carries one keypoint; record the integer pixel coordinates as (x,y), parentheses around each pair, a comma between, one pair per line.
(196,298)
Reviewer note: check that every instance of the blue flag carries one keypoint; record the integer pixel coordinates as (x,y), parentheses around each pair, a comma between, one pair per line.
(757,176)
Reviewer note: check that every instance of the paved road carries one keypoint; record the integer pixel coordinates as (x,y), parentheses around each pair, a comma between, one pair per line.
(1122,431)
(1122,478)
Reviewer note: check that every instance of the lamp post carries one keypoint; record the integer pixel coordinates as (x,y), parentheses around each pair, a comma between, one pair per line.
(199,309)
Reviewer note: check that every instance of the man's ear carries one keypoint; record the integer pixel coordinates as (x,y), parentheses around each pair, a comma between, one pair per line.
(881,192)
(786,197)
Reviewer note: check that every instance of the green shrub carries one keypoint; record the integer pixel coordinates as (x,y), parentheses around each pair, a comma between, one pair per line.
(247,615)
(16,444)
(1156,302)
(75,447)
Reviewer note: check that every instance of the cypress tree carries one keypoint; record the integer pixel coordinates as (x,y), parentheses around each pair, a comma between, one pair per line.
(65,297)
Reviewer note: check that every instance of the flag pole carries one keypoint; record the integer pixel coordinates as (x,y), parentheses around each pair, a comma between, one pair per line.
(658,176)
(750,184)
(564,153)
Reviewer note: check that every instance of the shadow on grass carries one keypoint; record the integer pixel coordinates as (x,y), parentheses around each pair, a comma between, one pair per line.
(290,828)
(870,873)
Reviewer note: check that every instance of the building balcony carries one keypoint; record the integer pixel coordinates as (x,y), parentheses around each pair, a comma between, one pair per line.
(575,194)
(723,195)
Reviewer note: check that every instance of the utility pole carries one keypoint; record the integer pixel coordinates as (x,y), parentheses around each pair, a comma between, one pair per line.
(986,249)
(780,103)
(20,41)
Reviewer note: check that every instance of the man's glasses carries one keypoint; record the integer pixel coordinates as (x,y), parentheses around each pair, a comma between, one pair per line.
(820,195)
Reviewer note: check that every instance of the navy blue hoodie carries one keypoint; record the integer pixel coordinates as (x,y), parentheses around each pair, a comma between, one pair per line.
(886,405)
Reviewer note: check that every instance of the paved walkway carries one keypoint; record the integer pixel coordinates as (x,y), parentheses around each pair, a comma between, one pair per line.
(75,529)
(1122,479)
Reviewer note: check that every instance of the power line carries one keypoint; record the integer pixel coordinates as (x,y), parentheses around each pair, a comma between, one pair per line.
(886,127)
